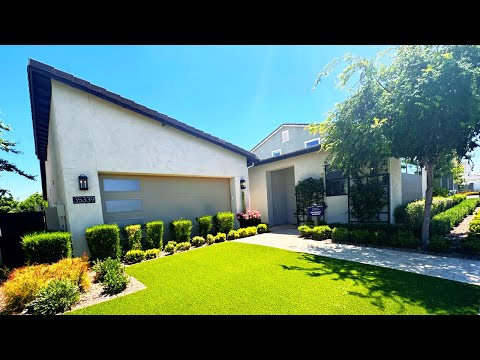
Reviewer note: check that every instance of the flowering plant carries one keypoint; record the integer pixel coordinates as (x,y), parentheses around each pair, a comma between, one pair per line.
(250,214)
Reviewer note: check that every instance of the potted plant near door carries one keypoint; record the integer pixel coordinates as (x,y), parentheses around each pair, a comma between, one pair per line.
(250,218)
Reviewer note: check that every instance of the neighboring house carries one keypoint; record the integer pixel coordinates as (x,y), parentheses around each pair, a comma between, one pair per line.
(286,139)
(140,165)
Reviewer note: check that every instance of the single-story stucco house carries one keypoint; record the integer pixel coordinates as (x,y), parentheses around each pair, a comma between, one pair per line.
(106,159)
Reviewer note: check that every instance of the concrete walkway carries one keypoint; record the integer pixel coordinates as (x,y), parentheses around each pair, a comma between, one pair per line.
(286,237)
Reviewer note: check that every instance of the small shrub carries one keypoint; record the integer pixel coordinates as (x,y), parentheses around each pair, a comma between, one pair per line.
(305,231)
(47,247)
(181,230)
(400,215)
(134,256)
(103,241)
(115,282)
(154,234)
(405,239)
(198,241)
(134,236)
(439,191)
(102,267)
(210,239)
(183,246)
(340,235)
(170,247)
(439,244)
(251,230)
(204,225)
(471,245)
(220,237)
(24,283)
(321,232)
(475,226)
(242,232)
(379,237)
(224,222)
(262,228)
(232,235)
(151,253)
(56,297)
(359,236)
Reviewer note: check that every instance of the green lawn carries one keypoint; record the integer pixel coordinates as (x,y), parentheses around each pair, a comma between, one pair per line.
(237,278)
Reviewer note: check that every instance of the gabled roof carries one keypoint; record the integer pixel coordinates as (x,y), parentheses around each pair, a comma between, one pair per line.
(275,131)
(40,86)
(288,155)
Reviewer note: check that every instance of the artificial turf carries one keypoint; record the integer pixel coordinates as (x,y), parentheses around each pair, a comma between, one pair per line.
(238,278)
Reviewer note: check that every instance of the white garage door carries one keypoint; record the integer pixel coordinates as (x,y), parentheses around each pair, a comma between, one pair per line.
(140,199)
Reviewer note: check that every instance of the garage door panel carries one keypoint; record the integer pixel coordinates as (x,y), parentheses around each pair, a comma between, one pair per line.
(162,198)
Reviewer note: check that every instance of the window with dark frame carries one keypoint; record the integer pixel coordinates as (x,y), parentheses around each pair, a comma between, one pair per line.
(335,183)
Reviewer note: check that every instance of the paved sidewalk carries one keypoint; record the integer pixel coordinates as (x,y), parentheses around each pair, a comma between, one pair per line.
(467,271)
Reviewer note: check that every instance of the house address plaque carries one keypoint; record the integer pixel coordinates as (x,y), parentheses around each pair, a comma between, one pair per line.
(83,199)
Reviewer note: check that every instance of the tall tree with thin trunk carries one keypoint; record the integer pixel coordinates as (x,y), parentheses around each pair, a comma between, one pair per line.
(417,102)
(5,165)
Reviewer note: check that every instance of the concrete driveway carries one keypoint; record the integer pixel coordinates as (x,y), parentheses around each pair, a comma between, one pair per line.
(286,237)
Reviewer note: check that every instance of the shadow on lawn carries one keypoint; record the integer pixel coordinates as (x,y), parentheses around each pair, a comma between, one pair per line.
(437,296)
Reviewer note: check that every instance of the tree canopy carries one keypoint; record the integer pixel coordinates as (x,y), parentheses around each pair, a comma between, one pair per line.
(416,102)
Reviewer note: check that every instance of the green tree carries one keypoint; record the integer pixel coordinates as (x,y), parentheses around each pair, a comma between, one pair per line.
(7,203)
(417,102)
(452,166)
(31,203)
(5,165)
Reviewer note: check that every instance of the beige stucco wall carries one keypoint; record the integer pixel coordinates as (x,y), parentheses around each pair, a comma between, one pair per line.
(394,170)
(305,166)
(312,165)
(93,136)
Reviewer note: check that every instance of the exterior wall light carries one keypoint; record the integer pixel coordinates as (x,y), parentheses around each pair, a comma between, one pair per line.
(83,182)
(243,184)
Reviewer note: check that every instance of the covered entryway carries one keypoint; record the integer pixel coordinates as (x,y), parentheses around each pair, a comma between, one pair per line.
(140,199)
(281,196)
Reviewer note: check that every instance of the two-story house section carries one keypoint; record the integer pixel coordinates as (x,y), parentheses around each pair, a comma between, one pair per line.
(285,139)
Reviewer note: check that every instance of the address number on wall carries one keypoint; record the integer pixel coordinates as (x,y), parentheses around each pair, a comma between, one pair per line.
(83,199)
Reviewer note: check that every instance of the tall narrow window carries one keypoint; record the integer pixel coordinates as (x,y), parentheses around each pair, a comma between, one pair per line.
(335,183)
(285,136)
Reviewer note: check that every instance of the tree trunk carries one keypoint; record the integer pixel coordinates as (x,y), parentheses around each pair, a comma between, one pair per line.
(428,206)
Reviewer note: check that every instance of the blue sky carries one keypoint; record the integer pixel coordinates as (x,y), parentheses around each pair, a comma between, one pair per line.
(237,93)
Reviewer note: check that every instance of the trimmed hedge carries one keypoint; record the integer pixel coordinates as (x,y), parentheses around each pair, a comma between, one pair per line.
(442,223)
(224,222)
(439,244)
(154,234)
(103,241)
(251,230)
(204,225)
(316,233)
(181,230)
(134,236)
(401,238)
(471,245)
(134,256)
(411,214)
(47,247)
